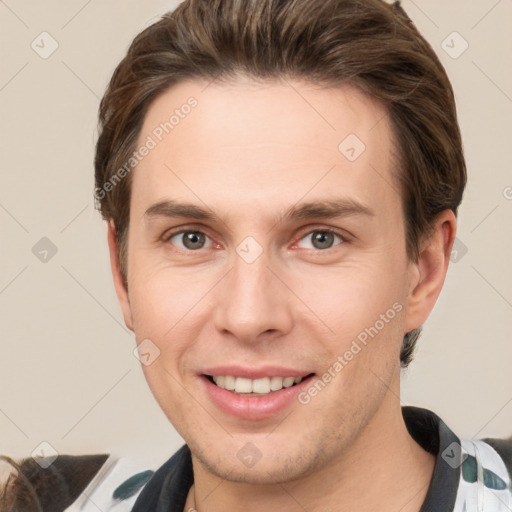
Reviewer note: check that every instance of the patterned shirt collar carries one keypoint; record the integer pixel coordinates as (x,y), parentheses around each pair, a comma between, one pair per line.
(168,489)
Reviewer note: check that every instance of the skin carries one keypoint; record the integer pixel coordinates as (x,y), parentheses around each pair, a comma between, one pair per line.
(247,152)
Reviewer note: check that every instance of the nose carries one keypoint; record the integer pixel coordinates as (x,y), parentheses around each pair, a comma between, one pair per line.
(253,303)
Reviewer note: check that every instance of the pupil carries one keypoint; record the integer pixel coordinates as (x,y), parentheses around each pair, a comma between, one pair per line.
(193,240)
(324,240)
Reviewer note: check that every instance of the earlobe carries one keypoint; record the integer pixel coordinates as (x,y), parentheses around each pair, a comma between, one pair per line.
(427,275)
(121,290)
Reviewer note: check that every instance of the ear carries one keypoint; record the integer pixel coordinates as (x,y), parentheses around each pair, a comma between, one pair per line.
(121,290)
(426,276)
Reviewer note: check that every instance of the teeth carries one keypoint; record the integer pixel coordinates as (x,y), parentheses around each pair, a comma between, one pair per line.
(276,383)
(229,382)
(288,381)
(261,386)
(243,385)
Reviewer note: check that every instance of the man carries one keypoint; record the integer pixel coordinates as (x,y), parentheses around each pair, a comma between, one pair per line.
(281,182)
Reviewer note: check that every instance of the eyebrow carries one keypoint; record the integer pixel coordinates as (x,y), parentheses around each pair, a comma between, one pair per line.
(324,209)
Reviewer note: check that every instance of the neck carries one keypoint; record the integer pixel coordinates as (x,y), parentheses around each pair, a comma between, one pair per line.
(384,469)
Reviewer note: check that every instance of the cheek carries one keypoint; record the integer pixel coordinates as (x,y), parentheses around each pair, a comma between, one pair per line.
(171,395)
(351,298)
(160,297)
(361,311)
(171,307)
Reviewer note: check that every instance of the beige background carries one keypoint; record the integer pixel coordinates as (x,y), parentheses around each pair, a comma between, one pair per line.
(68,375)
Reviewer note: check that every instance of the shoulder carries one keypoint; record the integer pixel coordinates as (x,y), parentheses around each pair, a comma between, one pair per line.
(503,448)
(485,475)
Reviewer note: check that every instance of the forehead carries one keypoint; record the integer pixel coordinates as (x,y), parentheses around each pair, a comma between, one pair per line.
(251,143)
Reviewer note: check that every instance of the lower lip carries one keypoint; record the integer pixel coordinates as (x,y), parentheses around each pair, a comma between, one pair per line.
(254,407)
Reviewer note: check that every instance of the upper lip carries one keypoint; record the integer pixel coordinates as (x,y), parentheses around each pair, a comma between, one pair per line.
(255,373)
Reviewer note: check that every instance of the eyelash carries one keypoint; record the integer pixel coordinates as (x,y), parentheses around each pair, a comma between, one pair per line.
(342,236)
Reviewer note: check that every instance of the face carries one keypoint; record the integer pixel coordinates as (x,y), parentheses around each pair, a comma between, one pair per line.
(265,241)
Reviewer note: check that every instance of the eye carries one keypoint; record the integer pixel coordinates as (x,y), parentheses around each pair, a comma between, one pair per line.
(188,240)
(321,239)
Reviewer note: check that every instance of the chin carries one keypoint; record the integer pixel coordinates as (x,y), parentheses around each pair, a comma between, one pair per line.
(278,468)
(264,474)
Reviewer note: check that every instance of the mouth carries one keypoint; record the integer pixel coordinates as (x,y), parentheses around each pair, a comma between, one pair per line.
(264,386)
(254,393)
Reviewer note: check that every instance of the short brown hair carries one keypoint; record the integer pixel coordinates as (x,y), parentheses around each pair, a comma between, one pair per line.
(369,44)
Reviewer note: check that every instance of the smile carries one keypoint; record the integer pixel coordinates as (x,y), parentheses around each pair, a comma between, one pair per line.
(254,399)
(254,387)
